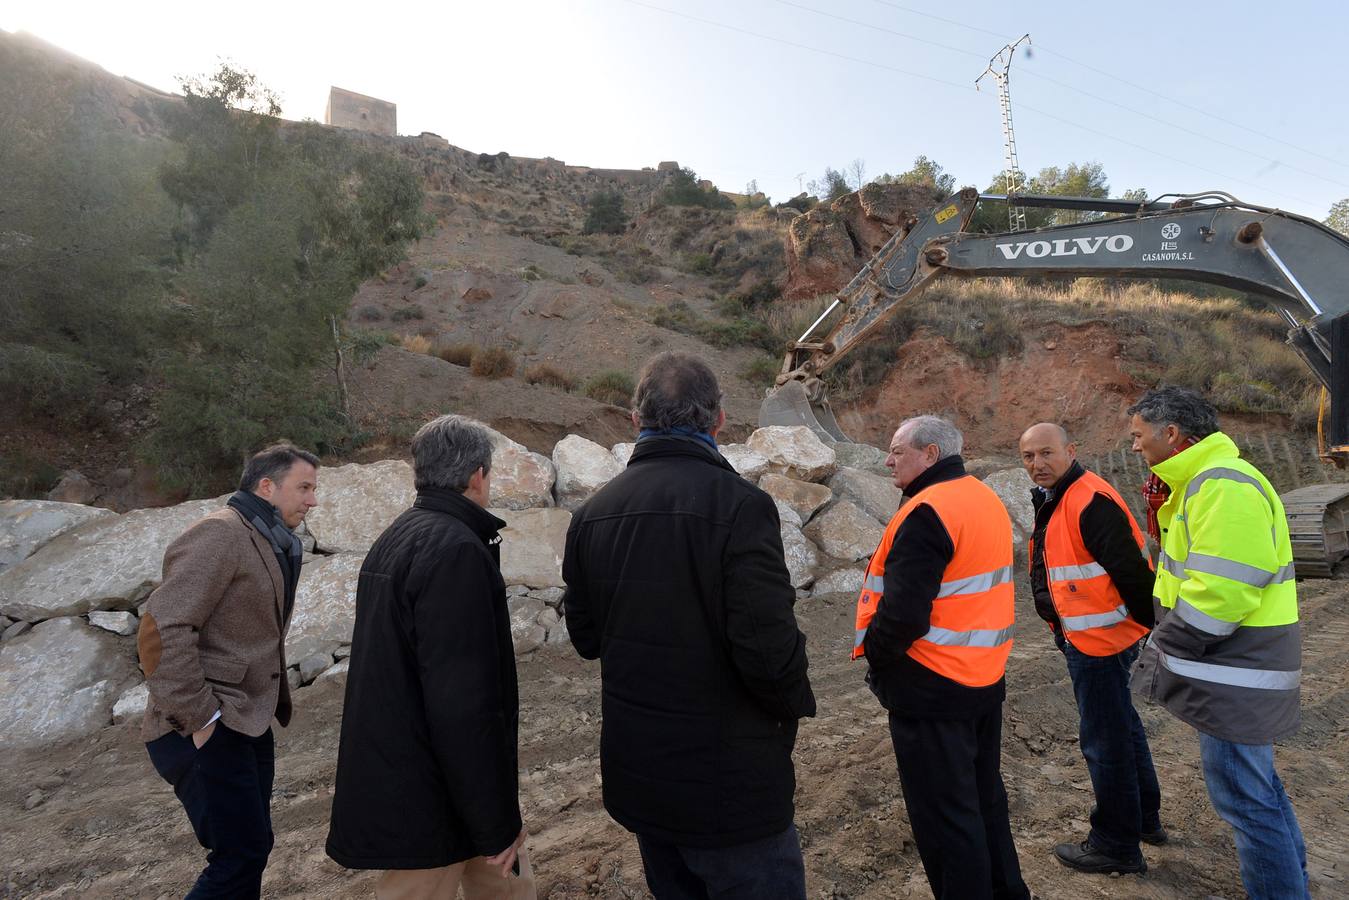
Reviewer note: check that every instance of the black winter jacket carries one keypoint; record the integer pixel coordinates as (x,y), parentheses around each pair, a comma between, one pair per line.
(426,767)
(676,583)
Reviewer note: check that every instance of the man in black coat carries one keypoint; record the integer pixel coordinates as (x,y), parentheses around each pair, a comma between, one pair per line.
(427,766)
(676,582)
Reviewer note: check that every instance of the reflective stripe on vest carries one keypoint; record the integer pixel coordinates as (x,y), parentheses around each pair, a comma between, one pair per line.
(970,632)
(1236,676)
(1091,611)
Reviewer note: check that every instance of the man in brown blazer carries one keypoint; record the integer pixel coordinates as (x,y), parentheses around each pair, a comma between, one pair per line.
(212,644)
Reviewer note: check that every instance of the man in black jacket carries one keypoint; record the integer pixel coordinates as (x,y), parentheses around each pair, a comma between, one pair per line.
(427,766)
(676,583)
(1096,594)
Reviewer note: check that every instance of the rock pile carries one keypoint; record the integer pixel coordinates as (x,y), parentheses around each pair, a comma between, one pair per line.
(73,578)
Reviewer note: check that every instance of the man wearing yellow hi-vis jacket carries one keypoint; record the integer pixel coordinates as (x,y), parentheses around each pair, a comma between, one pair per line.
(1226,655)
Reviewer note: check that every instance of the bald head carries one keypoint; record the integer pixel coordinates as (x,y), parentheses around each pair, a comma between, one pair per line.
(1047,453)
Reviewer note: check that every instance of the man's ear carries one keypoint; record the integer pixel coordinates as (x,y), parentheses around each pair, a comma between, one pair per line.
(1072,450)
(636,422)
(721,422)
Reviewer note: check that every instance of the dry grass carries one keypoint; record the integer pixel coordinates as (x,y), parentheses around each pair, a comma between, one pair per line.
(612,387)
(417,343)
(546,374)
(457,354)
(492,362)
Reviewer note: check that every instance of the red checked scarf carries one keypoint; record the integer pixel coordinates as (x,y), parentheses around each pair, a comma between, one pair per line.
(1155,492)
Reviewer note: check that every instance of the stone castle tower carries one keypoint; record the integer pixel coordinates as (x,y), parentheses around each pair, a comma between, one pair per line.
(348,109)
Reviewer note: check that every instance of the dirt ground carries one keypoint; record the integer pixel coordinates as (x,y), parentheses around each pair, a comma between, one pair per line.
(110,828)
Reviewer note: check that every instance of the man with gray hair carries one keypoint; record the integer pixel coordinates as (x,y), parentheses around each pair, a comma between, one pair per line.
(427,763)
(676,583)
(934,621)
(1226,655)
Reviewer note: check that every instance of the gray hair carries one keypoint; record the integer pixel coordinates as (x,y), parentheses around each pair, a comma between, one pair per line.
(273,463)
(1183,407)
(920,431)
(448,450)
(677,390)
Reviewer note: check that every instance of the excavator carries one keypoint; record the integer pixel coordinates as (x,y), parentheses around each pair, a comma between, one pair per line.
(1296,264)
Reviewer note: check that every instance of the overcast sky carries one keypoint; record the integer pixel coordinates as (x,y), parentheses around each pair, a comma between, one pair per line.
(776,90)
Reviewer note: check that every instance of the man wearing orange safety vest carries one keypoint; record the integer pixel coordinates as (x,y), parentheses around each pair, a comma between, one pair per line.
(934,622)
(1092,582)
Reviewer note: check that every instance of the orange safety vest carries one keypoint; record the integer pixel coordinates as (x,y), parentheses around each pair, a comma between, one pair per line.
(1091,611)
(970,635)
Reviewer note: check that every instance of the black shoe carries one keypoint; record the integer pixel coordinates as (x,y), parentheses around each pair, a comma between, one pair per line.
(1156,837)
(1086,858)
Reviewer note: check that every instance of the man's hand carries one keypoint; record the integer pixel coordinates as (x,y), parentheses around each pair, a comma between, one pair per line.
(506,858)
(199,738)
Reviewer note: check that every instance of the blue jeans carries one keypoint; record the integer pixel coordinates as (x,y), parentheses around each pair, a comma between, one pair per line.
(1128,798)
(1248,795)
(770,868)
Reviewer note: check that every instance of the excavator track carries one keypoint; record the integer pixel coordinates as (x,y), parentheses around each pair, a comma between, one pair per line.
(1318,523)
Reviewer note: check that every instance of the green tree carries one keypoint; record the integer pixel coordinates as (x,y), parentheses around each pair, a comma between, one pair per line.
(604,213)
(1076,180)
(925,173)
(683,189)
(1339,216)
(831,185)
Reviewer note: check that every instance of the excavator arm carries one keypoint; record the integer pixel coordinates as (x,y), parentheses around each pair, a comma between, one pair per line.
(1299,266)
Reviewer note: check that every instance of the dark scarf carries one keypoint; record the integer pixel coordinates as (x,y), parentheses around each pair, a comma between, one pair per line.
(678,432)
(267,521)
(1156,492)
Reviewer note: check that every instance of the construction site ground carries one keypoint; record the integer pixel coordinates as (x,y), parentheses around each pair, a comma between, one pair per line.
(110,828)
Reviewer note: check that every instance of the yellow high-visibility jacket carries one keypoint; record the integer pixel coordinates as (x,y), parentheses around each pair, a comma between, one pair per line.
(1226,655)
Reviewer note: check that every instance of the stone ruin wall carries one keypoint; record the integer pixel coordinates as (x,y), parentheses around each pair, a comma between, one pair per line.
(348,109)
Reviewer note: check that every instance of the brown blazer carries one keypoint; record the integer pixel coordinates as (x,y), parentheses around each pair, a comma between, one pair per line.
(212,637)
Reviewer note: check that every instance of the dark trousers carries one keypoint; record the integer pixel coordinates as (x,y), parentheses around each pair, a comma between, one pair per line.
(950,770)
(226,789)
(1128,798)
(767,869)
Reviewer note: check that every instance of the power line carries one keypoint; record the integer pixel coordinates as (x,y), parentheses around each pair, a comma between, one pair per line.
(1124,81)
(958,86)
(1072,87)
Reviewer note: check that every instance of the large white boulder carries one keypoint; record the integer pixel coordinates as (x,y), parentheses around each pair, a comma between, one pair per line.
(751,464)
(794,451)
(1013,487)
(845,532)
(131,705)
(840,581)
(60,681)
(531,546)
(802,496)
(106,563)
(877,496)
(801,555)
(583,467)
(622,453)
(520,478)
(861,456)
(325,606)
(358,501)
(26,525)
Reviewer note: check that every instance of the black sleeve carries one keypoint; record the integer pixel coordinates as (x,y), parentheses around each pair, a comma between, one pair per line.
(458,649)
(767,648)
(581,627)
(1109,539)
(913,570)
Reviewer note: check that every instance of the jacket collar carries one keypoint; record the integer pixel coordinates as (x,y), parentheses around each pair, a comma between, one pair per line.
(947,468)
(1179,469)
(480,521)
(667,445)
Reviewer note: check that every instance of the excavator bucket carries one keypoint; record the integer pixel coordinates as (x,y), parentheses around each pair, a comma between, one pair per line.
(790,404)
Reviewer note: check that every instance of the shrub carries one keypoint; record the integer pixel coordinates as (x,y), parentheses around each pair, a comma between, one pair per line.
(405,313)
(531,272)
(417,343)
(420,281)
(612,387)
(546,374)
(370,313)
(457,354)
(604,213)
(492,362)
(682,189)
(761,370)
(700,263)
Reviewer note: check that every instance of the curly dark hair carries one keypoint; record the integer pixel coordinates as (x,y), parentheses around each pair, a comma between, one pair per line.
(1183,407)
